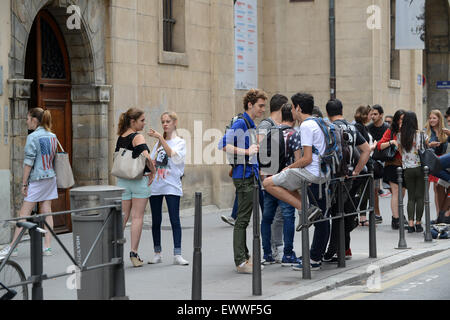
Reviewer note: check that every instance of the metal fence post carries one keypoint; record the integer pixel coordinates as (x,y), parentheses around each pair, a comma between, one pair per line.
(197,259)
(306,258)
(341,230)
(119,241)
(372,222)
(256,279)
(37,261)
(427,235)
(402,241)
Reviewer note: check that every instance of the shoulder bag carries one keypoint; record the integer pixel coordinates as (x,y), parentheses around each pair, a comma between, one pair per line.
(387,154)
(429,158)
(125,167)
(63,170)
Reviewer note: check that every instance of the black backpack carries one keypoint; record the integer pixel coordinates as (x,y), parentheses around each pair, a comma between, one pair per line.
(350,152)
(272,156)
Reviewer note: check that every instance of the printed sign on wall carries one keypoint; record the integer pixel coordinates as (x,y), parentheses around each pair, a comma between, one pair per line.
(410,25)
(246,44)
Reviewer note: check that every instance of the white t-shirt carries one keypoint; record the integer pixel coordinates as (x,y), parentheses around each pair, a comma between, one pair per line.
(169,170)
(312,135)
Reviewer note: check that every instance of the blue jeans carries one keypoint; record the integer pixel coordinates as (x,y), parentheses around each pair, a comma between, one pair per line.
(173,204)
(270,207)
(445,162)
(322,229)
(235,206)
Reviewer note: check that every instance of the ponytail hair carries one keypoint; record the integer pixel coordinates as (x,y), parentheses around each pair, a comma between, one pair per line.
(44,118)
(125,119)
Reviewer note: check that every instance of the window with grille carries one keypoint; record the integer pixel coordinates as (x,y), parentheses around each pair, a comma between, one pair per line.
(395,54)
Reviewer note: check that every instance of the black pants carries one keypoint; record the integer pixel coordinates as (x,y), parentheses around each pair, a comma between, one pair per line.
(350,222)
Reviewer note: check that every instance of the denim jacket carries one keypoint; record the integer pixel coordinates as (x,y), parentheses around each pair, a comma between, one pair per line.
(40,152)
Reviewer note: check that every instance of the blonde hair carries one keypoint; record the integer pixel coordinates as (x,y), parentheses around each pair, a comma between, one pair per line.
(439,132)
(44,117)
(174,117)
(125,119)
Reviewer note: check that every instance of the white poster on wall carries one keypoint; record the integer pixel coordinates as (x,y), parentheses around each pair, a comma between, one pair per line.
(246,44)
(410,25)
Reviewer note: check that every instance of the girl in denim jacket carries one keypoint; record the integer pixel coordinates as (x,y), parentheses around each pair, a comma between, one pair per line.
(39,178)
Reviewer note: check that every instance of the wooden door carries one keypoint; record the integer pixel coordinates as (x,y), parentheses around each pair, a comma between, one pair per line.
(53,92)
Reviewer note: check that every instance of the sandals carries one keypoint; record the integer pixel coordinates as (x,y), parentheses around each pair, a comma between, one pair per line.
(364,223)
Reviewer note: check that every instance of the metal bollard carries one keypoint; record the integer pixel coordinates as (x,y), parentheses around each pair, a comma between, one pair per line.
(428,237)
(372,222)
(306,259)
(118,247)
(402,241)
(37,261)
(341,231)
(197,260)
(256,279)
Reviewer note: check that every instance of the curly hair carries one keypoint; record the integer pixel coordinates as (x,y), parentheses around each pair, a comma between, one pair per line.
(253,96)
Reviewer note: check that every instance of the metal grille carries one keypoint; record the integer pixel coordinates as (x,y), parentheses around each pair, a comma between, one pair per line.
(168,24)
(52,57)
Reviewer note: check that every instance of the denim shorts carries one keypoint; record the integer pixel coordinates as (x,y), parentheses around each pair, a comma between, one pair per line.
(134,189)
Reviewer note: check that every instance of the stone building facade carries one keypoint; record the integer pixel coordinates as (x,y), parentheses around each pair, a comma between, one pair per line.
(116,60)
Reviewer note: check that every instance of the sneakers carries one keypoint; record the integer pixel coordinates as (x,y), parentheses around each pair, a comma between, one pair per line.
(315,265)
(228,220)
(5,251)
(47,252)
(179,261)
(136,260)
(156,259)
(419,228)
(290,261)
(313,213)
(378,219)
(246,268)
(348,254)
(268,259)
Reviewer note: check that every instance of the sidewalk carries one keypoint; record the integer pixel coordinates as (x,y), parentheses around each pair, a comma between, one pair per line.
(220,280)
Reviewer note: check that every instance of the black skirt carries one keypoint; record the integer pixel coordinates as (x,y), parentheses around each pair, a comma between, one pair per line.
(391,176)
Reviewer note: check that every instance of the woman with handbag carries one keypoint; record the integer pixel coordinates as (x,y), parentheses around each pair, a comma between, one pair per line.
(438,142)
(39,178)
(389,144)
(137,191)
(411,142)
(169,154)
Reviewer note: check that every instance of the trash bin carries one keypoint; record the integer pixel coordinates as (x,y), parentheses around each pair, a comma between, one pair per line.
(95,284)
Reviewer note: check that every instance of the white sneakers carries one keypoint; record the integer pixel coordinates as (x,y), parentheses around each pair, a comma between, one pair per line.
(3,253)
(156,259)
(177,260)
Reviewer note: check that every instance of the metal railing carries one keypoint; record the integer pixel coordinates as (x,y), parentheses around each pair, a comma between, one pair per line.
(36,255)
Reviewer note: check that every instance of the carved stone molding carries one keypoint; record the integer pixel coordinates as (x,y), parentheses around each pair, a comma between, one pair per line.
(19,89)
(88,94)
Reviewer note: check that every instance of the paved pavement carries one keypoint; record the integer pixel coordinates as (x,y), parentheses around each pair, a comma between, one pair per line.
(220,280)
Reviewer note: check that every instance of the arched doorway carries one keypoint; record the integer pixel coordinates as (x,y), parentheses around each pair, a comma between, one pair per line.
(47,63)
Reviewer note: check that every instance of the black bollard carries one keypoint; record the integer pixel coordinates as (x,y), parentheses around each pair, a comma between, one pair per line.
(372,222)
(306,258)
(427,234)
(341,230)
(197,259)
(402,241)
(256,276)
(37,261)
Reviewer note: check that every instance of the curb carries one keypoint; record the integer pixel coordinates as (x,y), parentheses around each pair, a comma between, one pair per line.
(359,273)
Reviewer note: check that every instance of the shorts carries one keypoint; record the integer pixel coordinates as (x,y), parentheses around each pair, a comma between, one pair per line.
(292,179)
(42,190)
(391,176)
(134,189)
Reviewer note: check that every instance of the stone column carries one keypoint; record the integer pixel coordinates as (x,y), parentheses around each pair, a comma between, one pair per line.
(90,133)
(19,96)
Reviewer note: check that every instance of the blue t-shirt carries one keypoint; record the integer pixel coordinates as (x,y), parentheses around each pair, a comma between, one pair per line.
(239,136)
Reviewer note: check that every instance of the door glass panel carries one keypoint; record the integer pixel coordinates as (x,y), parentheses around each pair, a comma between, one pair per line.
(52,58)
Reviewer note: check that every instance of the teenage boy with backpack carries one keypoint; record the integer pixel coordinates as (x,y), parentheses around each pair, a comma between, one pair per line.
(285,185)
(240,142)
(358,147)
(286,140)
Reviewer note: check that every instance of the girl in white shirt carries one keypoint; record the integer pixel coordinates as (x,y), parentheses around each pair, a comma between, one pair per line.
(169,157)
